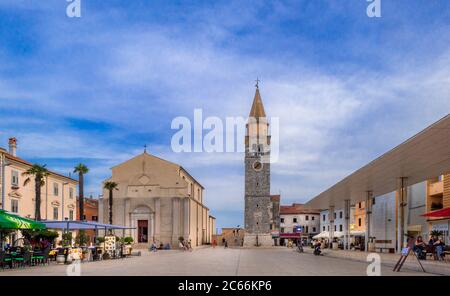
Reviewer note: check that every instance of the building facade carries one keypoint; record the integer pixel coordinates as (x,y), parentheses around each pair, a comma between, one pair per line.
(438,198)
(384,221)
(160,201)
(58,195)
(359,217)
(258,206)
(275,222)
(297,221)
(90,210)
(337,218)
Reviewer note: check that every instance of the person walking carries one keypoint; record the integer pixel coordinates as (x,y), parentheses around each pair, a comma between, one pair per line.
(189,245)
(214,244)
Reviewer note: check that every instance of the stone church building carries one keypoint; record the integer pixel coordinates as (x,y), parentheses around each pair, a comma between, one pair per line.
(160,200)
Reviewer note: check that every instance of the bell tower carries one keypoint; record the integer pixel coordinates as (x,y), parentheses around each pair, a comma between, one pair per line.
(258,207)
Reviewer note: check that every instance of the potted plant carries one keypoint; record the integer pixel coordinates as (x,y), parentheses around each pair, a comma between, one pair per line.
(99,240)
(67,239)
(127,241)
(81,239)
(436,233)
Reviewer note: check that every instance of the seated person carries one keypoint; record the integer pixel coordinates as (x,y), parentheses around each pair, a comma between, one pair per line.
(153,247)
(419,248)
(440,246)
(182,246)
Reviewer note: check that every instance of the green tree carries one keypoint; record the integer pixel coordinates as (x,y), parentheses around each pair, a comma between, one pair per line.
(39,172)
(81,169)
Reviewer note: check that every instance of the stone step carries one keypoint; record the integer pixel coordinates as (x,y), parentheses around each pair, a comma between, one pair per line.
(141,246)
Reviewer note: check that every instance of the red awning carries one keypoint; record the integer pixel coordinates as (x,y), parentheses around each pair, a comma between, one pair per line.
(290,235)
(443,213)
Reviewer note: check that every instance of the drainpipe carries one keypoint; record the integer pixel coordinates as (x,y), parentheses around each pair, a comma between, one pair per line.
(368,210)
(62,212)
(3,181)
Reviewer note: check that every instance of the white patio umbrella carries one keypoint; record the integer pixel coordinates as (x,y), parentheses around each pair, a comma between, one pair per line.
(323,234)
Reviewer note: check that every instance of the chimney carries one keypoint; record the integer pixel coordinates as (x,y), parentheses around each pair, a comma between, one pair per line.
(12,146)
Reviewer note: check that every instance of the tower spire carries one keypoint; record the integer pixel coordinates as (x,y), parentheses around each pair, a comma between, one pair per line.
(257,110)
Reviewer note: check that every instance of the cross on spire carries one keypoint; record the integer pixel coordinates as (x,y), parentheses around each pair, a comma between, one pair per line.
(257,82)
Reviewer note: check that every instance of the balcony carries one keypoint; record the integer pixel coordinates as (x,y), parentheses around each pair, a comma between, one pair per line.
(436,188)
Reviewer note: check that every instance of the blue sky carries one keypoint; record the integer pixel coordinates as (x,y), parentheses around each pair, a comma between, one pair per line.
(346,87)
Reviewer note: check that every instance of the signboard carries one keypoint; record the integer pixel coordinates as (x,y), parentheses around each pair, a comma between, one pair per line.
(405,251)
(290,235)
(298,229)
(440,226)
(110,245)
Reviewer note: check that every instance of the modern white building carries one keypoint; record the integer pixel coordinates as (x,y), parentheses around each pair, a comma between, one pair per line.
(339,220)
(383,222)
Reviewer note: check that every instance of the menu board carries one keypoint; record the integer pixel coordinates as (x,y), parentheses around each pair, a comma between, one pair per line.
(110,245)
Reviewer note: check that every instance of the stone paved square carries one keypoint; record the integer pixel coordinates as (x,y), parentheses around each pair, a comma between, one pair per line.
(216,262)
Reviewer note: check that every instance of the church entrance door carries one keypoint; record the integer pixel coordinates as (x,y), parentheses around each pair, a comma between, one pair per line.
(142,231)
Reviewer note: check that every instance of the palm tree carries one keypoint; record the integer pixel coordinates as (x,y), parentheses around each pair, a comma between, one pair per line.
(39,172)
(110,186)
(81,169)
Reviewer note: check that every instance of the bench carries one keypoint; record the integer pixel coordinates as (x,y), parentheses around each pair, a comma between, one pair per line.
(384,242)
(390,250)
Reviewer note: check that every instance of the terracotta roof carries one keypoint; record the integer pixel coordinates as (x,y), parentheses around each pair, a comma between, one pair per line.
(88,201)
(25,162)
(275,197)
(296,208)
(257,110)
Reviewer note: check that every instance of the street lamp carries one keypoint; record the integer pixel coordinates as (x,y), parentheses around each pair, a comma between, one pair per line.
(63,184)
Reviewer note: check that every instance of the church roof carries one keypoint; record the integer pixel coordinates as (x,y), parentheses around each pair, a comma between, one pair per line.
(257,110)
(146,156)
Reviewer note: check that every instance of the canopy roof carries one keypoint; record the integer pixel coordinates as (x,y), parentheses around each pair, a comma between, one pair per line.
(443,213)
(422,157)
(11,221)
(81,225)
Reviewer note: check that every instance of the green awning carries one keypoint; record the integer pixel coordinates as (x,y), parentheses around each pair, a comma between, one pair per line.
(9,221)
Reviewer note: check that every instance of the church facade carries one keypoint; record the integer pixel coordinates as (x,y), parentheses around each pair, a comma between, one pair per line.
(258,218)
(160,201)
